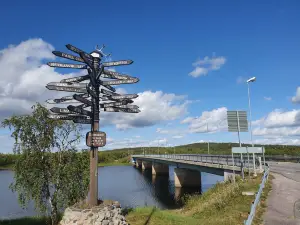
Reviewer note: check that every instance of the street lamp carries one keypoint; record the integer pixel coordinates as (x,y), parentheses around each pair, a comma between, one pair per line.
(252,79)
(248,81)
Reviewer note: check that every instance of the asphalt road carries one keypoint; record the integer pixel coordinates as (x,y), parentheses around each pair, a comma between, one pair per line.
(285,192)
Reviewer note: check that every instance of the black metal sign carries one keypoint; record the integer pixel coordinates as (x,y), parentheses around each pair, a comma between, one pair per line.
(61,110)
(112,104)
(88,59)
(75,85)
(68,89)
(73,48)
(117,82)
(79,110)
(83,100)
(75,79)
(66,117)
(115,75)
(128,96)
(83,121)
(60,101)
(67,65)
(117,63)
(96,139)
(67,56)
(128,106)
(116,109)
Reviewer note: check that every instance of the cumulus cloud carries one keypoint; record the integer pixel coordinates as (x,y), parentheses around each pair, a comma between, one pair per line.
(207,64)
(23,76)
(278,123)
(177,136)
(209,121)
(268,98)
(296,98)
(151,104)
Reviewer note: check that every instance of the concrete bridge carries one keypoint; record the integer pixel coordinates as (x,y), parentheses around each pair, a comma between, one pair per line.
(189,167)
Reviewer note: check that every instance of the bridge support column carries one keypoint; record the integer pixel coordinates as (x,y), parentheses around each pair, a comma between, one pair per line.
(138,163)
(228,175)
(146,165)
(159,168)
(187,178)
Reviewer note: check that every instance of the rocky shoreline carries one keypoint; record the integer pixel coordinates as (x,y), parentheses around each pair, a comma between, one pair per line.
(103,214)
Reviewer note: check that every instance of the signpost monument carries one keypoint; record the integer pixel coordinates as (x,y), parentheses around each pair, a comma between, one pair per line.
(89,96)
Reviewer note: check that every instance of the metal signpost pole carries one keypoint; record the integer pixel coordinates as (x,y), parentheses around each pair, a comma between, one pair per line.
(238,123)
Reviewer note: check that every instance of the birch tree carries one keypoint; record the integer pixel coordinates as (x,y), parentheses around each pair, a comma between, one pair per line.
(49,170)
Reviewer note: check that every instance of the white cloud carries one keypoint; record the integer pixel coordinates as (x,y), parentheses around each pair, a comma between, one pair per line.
(23,76)
(207,64)
(268,98)
(278,123)
(296,98)
(177,136)
(209,121)
(277,141)
(151,104)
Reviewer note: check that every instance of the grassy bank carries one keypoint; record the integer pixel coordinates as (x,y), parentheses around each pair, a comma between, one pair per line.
(7,167)
(114,164)
(223,204)
(26,221)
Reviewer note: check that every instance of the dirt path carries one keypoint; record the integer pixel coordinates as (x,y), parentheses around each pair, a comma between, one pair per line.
(280,203)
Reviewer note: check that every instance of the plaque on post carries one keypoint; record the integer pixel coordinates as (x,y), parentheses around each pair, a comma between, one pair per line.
(96,139)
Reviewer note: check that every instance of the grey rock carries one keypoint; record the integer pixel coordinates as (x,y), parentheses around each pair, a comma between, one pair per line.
(105,222)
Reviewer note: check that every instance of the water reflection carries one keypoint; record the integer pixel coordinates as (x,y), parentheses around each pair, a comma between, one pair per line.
(126,184)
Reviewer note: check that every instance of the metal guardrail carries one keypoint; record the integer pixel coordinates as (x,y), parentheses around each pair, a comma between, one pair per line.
(213,159)
(257,198)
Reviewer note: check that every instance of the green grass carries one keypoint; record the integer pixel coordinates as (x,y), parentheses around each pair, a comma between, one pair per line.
(114,164)
(223,204)
(7,167)
(27,221)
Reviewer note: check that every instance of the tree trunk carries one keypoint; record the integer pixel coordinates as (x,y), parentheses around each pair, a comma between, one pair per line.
(54,214)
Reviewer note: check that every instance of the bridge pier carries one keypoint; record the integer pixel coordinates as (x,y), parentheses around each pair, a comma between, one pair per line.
(138,163)
(187,178)
(159,168)
(146,165)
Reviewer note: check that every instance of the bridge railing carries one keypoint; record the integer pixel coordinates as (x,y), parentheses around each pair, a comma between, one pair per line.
(213,159)
(257,198)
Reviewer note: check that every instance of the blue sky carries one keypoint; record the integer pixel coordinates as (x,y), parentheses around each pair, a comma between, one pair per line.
(229,41)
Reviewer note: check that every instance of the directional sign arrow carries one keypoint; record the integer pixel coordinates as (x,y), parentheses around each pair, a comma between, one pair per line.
(112,104)
(75,79)
(108,98)
(67,65)
(83,100)
(129,96)
(61,110)
(75,85)
(73,48)
(115,75)
(83,121)
(68,89)
(128,106)
(67,117)
(117,82)
(78,110)
(71,96)
(117,63)
(116,109)
(67,56)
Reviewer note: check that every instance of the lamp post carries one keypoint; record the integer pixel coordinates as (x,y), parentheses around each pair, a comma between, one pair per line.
(252,79)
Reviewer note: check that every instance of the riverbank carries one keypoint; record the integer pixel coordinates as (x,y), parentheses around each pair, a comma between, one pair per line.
(114,164)
(223,204)
(7,167)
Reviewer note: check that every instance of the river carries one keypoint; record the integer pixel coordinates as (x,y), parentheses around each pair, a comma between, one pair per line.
(126,184)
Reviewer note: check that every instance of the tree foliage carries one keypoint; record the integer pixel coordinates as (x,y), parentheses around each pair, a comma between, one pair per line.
(48,168)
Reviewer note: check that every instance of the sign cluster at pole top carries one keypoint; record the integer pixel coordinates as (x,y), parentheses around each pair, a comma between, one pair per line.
(92,94)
